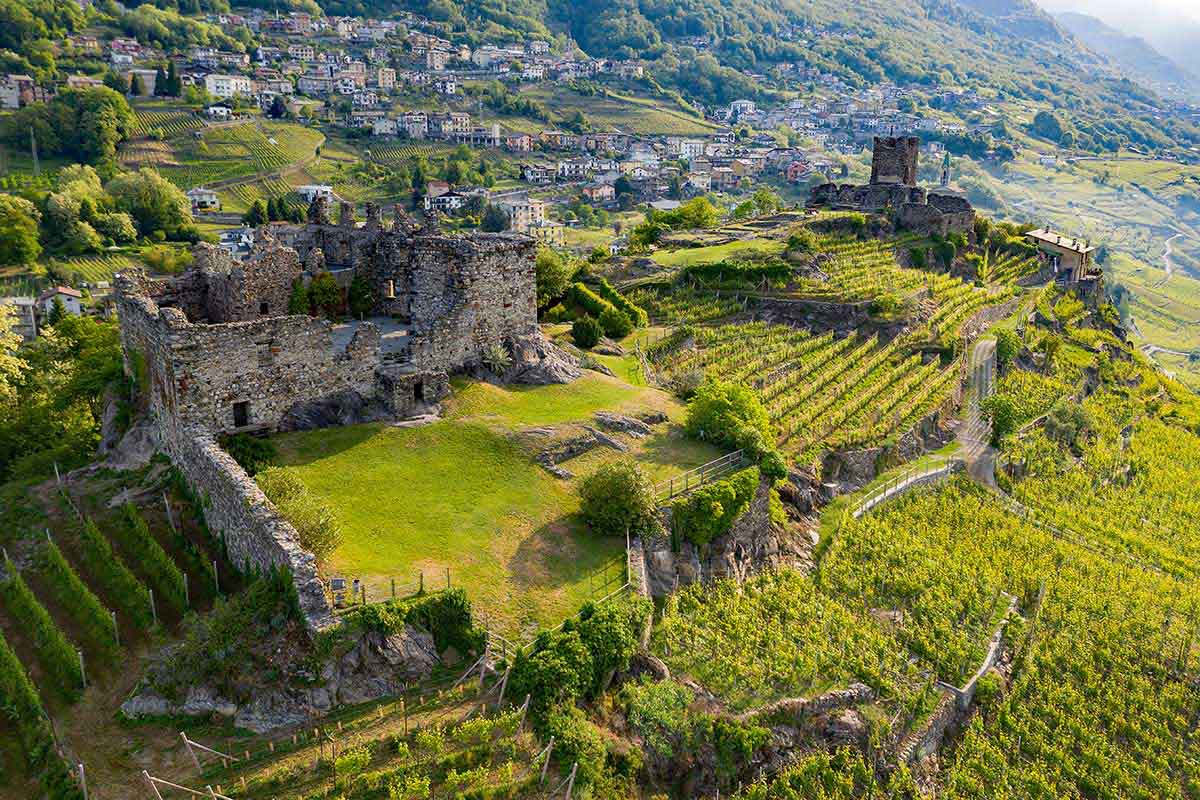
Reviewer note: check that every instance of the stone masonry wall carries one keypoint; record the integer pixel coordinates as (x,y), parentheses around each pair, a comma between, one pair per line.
(237,512)
(895,160)
(469,293)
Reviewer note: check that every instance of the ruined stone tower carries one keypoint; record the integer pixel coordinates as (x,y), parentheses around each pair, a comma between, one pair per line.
(895,160)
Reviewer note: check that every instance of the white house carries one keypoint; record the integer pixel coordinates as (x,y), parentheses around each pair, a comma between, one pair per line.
(226,86)
(218,112)
(313,190)
(72,300)
(203,199)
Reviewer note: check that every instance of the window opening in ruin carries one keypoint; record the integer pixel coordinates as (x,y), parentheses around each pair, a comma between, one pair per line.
(266,356)
(241,414)
(264,309)
(419,391)
(391,290)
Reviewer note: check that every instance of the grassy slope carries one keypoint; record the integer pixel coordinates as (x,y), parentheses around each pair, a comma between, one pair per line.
(463,494)
(714,253)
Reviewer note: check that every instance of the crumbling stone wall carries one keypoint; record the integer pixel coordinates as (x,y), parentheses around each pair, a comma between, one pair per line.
(236,511)
(894,160)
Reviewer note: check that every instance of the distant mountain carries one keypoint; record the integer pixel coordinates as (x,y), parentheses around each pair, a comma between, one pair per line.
(1132,53)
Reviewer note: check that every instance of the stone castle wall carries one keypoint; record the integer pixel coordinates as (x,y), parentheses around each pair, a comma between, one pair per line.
(894,160)
(256,537)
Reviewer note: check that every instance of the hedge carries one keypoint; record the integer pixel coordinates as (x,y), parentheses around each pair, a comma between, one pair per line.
(20,701)
(634,312)
(595,305)
(109,571)
(78,600)
(159,567)
(741,272)
(708,512)
(55,652)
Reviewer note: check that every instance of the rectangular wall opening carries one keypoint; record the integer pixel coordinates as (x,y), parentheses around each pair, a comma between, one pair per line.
(241,414)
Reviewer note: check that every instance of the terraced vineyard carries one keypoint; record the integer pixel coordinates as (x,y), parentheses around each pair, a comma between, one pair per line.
(821,392)
(243,195)
(395,154)
(239,150)
(172,123)
(94,269)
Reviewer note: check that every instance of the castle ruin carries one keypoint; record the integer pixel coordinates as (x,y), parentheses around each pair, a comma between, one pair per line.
(215,351)
(894,186)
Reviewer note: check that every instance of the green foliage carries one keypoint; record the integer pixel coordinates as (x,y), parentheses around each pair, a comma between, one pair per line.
(298,300)
(19,220)
(657,712)
(708,512)
(54,651)
(57,397)
(84,125)
(610,633)
(946,251)
(154,203)
(324,295)
(145,551)
(1008,346)
(74,596)
(224,648)
(1067,422)
(21,704)
(729,413)
(552,273)
(740,274)
(256,216)
(252,453)
(494,220)
(577,740)
(635,313)
(360,298)
(615,324)
(618,498)
(445,615)
(916,256)
(586,332)
(314,520)
(802,241)
(109,572)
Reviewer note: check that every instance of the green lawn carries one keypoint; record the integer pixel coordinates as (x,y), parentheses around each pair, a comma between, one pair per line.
(719,252)
(464,494)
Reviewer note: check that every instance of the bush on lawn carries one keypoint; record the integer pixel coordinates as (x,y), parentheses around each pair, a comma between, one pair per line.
(618,498)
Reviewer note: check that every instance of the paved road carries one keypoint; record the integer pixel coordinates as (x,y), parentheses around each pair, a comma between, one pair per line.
(974,432)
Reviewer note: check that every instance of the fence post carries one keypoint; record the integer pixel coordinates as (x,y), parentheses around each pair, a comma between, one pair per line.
(393,588)
(422,577)
(216,579)
(153,611)
(83,781)
(187,600)
(82,674)
(191,752)
(447,577)
(546,765)
(571,780)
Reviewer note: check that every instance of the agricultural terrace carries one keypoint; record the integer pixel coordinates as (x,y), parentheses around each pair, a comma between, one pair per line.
(465,494)
(627,112)
(236,151)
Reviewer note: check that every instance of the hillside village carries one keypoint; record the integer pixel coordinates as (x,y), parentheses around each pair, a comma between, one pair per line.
(408,405)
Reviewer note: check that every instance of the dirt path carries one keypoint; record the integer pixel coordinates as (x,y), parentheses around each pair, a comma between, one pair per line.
(1168,264)
(974,433)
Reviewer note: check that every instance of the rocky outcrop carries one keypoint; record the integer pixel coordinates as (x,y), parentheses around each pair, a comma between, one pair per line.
(850,470)
(538,361)
(347,407)
(751,544)
(375,666)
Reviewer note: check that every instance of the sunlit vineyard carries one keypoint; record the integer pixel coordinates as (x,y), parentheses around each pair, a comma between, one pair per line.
(171,123)
(235,151)
(820,391)
(400,153)
(681,306)
(94,269)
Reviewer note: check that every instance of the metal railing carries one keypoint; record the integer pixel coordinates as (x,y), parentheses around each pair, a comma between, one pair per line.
(699,476)
(905,481)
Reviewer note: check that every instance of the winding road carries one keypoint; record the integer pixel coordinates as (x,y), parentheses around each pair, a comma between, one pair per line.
(1168,264)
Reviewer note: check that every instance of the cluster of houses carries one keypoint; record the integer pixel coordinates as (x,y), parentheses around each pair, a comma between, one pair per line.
(32,313)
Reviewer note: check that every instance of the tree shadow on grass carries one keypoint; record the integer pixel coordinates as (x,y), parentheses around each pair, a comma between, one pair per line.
(299,448)
(561,554)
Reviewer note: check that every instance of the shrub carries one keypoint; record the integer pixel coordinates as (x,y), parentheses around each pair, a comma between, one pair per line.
(773,466)
(576,741)
(351,762)
(1008,345)
(615,324)
(709,511)
(618,498)
(445,615)
(252,453)
(802,241)
(586,332)
(314,521)
(741,273)
(916,256)
(609,633)
(729,413)
(496,358)
(558,672)
(588,300)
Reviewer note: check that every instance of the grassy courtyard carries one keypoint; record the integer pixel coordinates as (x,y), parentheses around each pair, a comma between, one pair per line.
(464,494)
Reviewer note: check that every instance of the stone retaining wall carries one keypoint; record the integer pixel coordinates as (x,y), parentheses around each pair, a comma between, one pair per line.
(256,536)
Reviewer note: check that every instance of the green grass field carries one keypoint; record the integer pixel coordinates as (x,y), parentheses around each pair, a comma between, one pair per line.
(464,494)
(710,255)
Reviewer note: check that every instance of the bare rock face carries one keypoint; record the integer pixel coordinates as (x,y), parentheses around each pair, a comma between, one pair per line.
(619,423)
(538,361)
(375,666)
